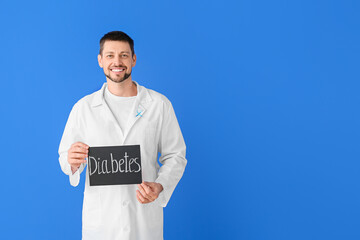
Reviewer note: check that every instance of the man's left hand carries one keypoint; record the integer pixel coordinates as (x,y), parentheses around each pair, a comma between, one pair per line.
(148,191)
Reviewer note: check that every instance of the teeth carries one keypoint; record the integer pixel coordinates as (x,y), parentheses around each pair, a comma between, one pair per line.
(118,70)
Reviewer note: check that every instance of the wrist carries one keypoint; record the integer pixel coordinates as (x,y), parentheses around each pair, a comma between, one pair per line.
(74,169)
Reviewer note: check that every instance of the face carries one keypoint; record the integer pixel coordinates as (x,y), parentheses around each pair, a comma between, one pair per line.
(116,61)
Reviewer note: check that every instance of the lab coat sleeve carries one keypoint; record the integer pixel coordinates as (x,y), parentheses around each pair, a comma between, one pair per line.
(172,149)
(71,135)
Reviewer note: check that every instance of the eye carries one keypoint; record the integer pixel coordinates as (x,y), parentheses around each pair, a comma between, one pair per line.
(109,56)
(124,55)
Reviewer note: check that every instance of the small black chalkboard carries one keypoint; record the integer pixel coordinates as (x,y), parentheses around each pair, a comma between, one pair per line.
(114,165)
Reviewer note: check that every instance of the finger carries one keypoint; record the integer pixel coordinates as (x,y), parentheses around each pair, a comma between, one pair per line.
(142,191)
(80,144)
(147,189)
(78,149)
(144,194)
(140,198)
(78,155)
(76,161)
(73,160)
(81,159)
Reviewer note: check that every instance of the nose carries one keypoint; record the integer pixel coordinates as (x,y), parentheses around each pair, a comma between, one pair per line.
(117,60)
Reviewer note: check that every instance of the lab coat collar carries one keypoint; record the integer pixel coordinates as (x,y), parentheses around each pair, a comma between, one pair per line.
(142,100)
(142,96)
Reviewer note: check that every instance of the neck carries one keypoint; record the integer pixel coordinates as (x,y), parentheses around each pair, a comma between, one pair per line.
(124,89)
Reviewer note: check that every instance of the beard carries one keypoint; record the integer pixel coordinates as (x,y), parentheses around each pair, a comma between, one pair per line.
(119,79)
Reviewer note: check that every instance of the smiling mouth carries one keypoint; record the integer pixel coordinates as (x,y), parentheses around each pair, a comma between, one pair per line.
(118,70)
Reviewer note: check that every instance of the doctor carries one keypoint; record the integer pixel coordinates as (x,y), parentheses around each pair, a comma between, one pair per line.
(124,113)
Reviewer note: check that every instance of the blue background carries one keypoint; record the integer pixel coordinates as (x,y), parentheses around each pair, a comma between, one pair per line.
(266,94)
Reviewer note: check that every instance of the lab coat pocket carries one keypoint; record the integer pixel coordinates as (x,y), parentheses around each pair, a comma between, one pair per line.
(91,210)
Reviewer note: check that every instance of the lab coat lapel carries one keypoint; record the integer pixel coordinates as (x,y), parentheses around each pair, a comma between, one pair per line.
(99,101)
(142,100)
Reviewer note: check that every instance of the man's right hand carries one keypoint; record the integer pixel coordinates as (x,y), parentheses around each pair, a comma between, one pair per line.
(77,154)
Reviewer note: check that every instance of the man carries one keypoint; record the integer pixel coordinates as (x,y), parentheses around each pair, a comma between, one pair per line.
(124,113)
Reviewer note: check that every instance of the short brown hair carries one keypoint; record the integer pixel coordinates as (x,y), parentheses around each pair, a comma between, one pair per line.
(117,36)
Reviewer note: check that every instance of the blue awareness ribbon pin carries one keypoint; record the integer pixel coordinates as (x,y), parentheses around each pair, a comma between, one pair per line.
(138,113)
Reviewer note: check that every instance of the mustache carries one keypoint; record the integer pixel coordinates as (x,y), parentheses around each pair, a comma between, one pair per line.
(118,66)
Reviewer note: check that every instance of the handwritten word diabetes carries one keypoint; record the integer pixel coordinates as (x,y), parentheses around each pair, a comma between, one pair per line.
(123,165)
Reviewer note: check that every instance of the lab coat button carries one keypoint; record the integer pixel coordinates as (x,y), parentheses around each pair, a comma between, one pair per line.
(125,203)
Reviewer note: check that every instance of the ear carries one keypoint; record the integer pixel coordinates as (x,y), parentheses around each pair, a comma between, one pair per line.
(134,60)
(100,61)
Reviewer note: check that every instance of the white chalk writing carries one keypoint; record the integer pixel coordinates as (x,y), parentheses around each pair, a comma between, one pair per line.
(123,165)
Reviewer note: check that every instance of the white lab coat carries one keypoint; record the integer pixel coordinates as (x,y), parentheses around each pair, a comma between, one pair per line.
(113,212)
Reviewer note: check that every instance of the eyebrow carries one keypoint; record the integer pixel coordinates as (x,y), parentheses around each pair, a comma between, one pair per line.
(120,52)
